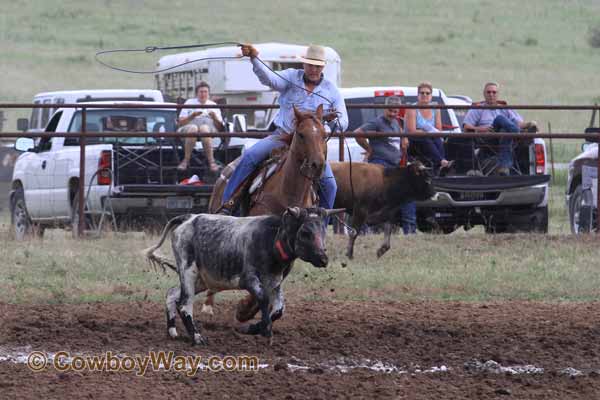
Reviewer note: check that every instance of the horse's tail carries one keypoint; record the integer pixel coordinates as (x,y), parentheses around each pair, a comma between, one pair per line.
(160,260)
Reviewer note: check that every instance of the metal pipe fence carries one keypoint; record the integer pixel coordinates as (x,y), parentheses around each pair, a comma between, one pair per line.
(257,135)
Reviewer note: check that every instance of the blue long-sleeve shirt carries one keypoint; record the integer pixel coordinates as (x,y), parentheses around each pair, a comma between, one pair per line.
(292,94)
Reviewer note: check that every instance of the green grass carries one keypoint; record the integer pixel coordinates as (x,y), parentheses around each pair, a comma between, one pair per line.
(537,50)
(468,266)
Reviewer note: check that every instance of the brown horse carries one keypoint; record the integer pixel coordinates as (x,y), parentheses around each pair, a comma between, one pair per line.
(289,186)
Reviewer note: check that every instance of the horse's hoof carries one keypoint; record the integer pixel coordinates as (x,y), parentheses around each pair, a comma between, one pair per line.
(199,340)
(250,329)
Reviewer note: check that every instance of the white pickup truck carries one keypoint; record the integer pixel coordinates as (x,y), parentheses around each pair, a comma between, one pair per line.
(134,179)
(499,203)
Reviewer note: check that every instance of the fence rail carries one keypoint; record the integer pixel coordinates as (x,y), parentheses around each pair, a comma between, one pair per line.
(83,134)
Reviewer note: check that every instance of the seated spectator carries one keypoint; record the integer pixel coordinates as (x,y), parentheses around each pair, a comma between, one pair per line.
(200,120)
(496,120)
(427,120)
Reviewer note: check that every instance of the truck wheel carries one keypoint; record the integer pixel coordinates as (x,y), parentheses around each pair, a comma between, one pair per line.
(540,220)
(536,222)
(22,226)
(581,211)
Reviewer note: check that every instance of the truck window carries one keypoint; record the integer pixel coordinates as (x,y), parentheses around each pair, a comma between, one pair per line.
(35,116)
(46,113)
(358,117)
(123,120)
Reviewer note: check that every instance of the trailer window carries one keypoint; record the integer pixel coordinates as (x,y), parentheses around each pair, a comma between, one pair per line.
(280,66)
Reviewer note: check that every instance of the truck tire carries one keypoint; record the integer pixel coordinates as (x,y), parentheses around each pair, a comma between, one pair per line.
(22,226)
(581,211)
(536,222)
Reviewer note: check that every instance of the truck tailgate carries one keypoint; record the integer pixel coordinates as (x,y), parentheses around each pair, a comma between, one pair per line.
(162,190)
(488,183)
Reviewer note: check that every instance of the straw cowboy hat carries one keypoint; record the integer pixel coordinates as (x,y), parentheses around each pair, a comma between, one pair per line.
(315,55)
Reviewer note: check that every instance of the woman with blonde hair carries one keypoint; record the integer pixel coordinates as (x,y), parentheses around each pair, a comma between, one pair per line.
(427,120)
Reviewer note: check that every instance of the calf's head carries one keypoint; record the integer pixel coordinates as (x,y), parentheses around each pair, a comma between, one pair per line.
(412,183)
(304,231)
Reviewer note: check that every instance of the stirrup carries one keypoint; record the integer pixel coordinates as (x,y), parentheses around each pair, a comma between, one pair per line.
(227,208)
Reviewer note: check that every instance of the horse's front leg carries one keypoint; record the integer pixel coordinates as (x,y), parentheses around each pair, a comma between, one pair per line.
(263,298)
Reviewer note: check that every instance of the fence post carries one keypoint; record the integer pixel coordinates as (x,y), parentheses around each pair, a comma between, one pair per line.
(80,211)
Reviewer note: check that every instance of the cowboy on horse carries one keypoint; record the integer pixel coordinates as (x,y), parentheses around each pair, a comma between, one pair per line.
(305,90)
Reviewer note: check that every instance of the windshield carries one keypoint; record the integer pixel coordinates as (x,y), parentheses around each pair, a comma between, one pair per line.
(124,120)
(358,117)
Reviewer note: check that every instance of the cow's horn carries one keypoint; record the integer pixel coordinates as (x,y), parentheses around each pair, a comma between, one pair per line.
(295,211)
(334,211)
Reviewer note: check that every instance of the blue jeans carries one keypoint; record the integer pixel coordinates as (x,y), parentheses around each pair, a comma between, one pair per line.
(256,154)
(503,124)
(408,209)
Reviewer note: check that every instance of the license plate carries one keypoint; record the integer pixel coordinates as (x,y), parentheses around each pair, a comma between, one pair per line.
(180,202)
(472,196)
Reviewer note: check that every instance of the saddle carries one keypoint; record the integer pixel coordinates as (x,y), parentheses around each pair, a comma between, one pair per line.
(250,191)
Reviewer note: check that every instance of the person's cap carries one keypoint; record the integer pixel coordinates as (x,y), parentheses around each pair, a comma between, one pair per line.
(393,101)
(315,55)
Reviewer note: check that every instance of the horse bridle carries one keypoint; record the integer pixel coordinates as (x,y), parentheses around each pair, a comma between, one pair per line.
(304,164)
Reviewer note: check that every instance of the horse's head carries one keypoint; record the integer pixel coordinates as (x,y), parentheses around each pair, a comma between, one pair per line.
(308,144)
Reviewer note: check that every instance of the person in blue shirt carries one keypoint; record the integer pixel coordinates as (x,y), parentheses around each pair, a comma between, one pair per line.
(387,151)
(306,89)
(496,120)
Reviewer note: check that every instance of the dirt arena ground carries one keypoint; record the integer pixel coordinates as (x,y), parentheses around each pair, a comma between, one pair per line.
(325,350)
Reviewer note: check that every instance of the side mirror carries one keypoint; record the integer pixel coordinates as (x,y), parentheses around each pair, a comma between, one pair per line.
(24,144)
(22,124)
(239,123)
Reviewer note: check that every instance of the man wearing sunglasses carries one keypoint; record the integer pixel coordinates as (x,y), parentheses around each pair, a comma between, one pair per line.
(496,120)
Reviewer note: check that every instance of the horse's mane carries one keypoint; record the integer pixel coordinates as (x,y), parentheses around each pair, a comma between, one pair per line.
(286,138)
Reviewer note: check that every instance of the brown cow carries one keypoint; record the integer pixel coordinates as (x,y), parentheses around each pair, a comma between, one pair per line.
(375,195)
